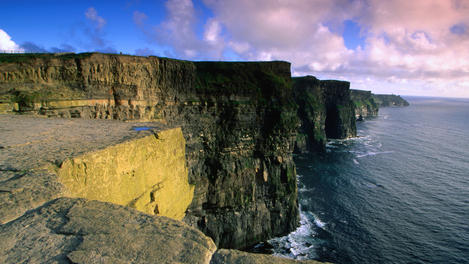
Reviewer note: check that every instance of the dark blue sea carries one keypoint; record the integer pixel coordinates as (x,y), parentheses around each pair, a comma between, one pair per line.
(398,193)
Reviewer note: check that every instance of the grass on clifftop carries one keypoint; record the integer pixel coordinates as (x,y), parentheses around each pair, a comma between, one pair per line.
(27,57)
(241,78)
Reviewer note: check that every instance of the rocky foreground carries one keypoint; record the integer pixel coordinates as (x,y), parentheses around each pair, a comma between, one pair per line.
(43,224)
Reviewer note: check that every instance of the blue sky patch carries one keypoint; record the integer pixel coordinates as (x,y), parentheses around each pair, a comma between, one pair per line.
(352,36)
(458,29)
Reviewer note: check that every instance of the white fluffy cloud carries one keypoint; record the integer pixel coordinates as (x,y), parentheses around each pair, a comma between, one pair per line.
(284,30)
(178,32)
(8,45)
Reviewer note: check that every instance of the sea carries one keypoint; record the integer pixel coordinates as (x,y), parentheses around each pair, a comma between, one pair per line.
(397,193)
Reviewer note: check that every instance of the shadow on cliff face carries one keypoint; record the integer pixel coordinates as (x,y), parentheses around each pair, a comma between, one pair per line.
(331,123)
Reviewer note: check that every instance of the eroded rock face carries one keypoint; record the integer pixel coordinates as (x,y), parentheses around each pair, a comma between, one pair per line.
(238,119)
(70,230)
(148,174)
(325,110)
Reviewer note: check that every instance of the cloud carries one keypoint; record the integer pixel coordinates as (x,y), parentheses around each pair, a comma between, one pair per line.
(405,45)
(139,18)
(94,30)
(31,47)
(92,15)
(145,52)
(63,48)
(178,32)
(304,32)
(411,45)
(8,45)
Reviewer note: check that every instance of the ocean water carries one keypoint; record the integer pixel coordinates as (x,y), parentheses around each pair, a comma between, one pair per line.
(398,193)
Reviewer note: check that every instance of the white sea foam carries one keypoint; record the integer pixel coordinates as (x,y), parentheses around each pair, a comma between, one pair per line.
(371,153)
(318,222)
(300,244)
(355,161)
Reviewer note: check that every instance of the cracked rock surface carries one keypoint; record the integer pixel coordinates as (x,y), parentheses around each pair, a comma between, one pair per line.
(72,230)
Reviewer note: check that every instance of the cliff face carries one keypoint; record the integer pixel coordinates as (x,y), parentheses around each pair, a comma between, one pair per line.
(238,120)
(146,174)
(325,111)
(365,104)
(387,100)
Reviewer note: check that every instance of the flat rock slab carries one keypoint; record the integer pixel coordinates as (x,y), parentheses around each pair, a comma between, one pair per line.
(28,144)
(73,230)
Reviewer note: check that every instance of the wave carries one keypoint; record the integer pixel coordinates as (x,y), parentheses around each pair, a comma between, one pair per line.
(371,153)
(318,222)
(301,243)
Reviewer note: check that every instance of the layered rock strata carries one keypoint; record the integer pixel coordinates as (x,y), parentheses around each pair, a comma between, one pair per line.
(238,120)
(325,110)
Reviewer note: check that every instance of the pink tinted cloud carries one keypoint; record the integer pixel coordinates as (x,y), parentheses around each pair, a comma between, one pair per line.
(414,44)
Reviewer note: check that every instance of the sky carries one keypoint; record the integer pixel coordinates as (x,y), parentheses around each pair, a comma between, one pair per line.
(407,47)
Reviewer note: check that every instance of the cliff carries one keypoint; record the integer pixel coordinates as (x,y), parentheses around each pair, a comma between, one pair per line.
(238,121)
(389,100)
(325,110)
(365,104)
